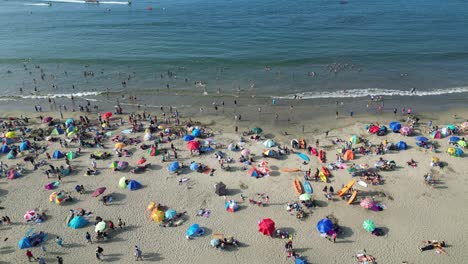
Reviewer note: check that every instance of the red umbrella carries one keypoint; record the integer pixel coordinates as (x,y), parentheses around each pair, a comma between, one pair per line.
(141,161)
(367,203)
(107,115)
(99,191)
(266,227)
(193,145)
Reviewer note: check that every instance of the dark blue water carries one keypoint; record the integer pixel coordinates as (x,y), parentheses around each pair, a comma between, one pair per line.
(318,48)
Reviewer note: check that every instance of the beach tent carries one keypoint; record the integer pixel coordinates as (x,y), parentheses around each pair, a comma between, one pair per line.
(269,143)
(133,185)
(10,135)
(141,161)
(78,222)
(170,214)
(231,206)
(349,155)
(436,134)
(12,154)
(188,138)
(354,139)
(71,155)
(153,151)
(368,225)
(454,139)
(395,126)
(193,145)
(57,155)
(113,165)
(406,131)
(24,146)
(71,129)
(194,166)
(12,174)
(196,132)
(271,153)
(157,215)
(57,131)
(266,227)
(5,149)
(401,145)
(123,183)
(7,141)
(194,230)
(383,129)
(174,166)
(69,122)
(324,225)
(31,240)
(458,152)
(300,260)
(254,172)
(122,165)
(220,189)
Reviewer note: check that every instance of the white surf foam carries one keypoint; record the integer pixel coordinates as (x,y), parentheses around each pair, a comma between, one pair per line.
(36,4)
(84,2)
(356,93)
(45,96)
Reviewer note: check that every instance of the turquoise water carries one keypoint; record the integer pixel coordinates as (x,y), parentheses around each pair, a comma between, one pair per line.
(378,47)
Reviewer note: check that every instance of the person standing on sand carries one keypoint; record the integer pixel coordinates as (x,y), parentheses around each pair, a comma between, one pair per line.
(30,255)
(59,260)
(99,254)
(337,114)
(88,238)
(138,254)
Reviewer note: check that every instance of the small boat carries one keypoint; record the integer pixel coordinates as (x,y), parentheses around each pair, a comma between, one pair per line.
(346,188)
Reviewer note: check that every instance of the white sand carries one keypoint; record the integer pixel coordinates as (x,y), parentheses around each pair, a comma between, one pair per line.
(414,211)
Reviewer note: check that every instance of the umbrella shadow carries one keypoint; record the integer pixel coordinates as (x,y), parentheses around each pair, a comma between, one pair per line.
(385,231)
(6,250)
(153,257)
(302,250)
(275,173)
(319,203)
(3,192)
(207,231)
(73,245)
(273,167)
(112,257)
(234,191)
(118,197)
(345,232)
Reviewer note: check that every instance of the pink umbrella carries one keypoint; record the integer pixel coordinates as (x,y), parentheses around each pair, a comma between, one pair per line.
(367,203)
(245,152)
(30,215)
(406,131)
(99,191)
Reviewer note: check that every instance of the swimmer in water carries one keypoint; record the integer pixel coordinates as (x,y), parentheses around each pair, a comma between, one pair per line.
(413,90)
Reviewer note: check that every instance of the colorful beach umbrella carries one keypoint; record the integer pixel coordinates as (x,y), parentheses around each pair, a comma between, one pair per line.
(194,166)
(305,197)
(194,230)
(123,183)
(173,166)
(245,152)
(367,203)
(141,161)
(170,214)
(461,143)
(157,215)
(10,135)
(193,145)
(101,226)
(188,138)
(266,226)
(368,225)
(46,119)
(454,139)
(119,145)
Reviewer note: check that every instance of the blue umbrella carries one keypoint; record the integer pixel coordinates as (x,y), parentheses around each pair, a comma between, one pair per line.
(395,126)
(69,121)
(196,132)
(458,152)
(194,230)
(187,138)
(78,222)
(170,214)
(454,139)
(194,166)
(401,145)
(422,139)
(300,261)
(24,146)
(173,166)
(324,225)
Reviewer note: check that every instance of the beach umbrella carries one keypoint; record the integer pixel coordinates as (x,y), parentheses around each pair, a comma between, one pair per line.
(170,214)
(368,225)
(454,139)
(78,222)
(300,260)
(421,139)
(31,214)
(101,226)
(57,131)
(122,183)
(231,206)
(254,172)
(269,143)
(52,185)
(193,145)
(266,226)
(141,161)
(70,129)
(71,155)
(133,185)
(99,191)
(10,135)
(395,126)
(406,131)
(215,242)
(354,139)
(461,143)
(47,119)
(5,149)
(194,166)
(401,145)
(451,151)
(245,152)
(157,215)
(69,122)
(113,165)
(452,127)
(57,154)
(367,203)
(374,129)
(324,225)
(303,156)
(436,134)
(196,132)
(458,152)
(119,145)
(305,197)
(153,151)
(173,166)
(122,165)
(107,115)
(188,138)
(257,130)
(194,230)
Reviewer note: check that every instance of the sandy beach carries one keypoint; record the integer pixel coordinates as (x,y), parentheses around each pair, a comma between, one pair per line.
(413,210)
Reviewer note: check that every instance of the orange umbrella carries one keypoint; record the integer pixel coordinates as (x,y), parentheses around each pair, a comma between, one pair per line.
(119,145)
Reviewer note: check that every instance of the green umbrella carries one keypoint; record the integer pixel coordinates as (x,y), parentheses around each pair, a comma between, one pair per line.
(71,155)
(122,183)
(257,130)
(461,143)
(368,225)
(101,226)
(305,197)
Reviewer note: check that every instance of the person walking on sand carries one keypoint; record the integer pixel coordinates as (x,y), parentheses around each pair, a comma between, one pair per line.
(30,255)
(88,238)
(59,241)
(120,223)
(99,254)
(41,260)
(93,163)
(138,254)
(59,260)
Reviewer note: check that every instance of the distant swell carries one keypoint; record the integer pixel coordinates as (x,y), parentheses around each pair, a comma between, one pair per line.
(356,93)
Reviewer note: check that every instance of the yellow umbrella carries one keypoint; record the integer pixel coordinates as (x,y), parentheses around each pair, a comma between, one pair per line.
(71,134)
(10,135)
(161,126)
(119,145)
(157,215)
(435,159)
(451,151)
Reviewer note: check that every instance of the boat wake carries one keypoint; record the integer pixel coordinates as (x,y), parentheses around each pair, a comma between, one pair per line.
(356,93)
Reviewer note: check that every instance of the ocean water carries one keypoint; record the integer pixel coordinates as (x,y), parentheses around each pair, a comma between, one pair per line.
(313,48)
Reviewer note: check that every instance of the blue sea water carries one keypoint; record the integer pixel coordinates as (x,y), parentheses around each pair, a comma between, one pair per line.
(315,48)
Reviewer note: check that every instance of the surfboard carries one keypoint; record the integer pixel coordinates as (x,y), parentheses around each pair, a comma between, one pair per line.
(313,151)
(303,156)
(290,169)
(308,187)
(346,188)
(298,186)
(353,197)
(326,171)
(362,183)
(323,177)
